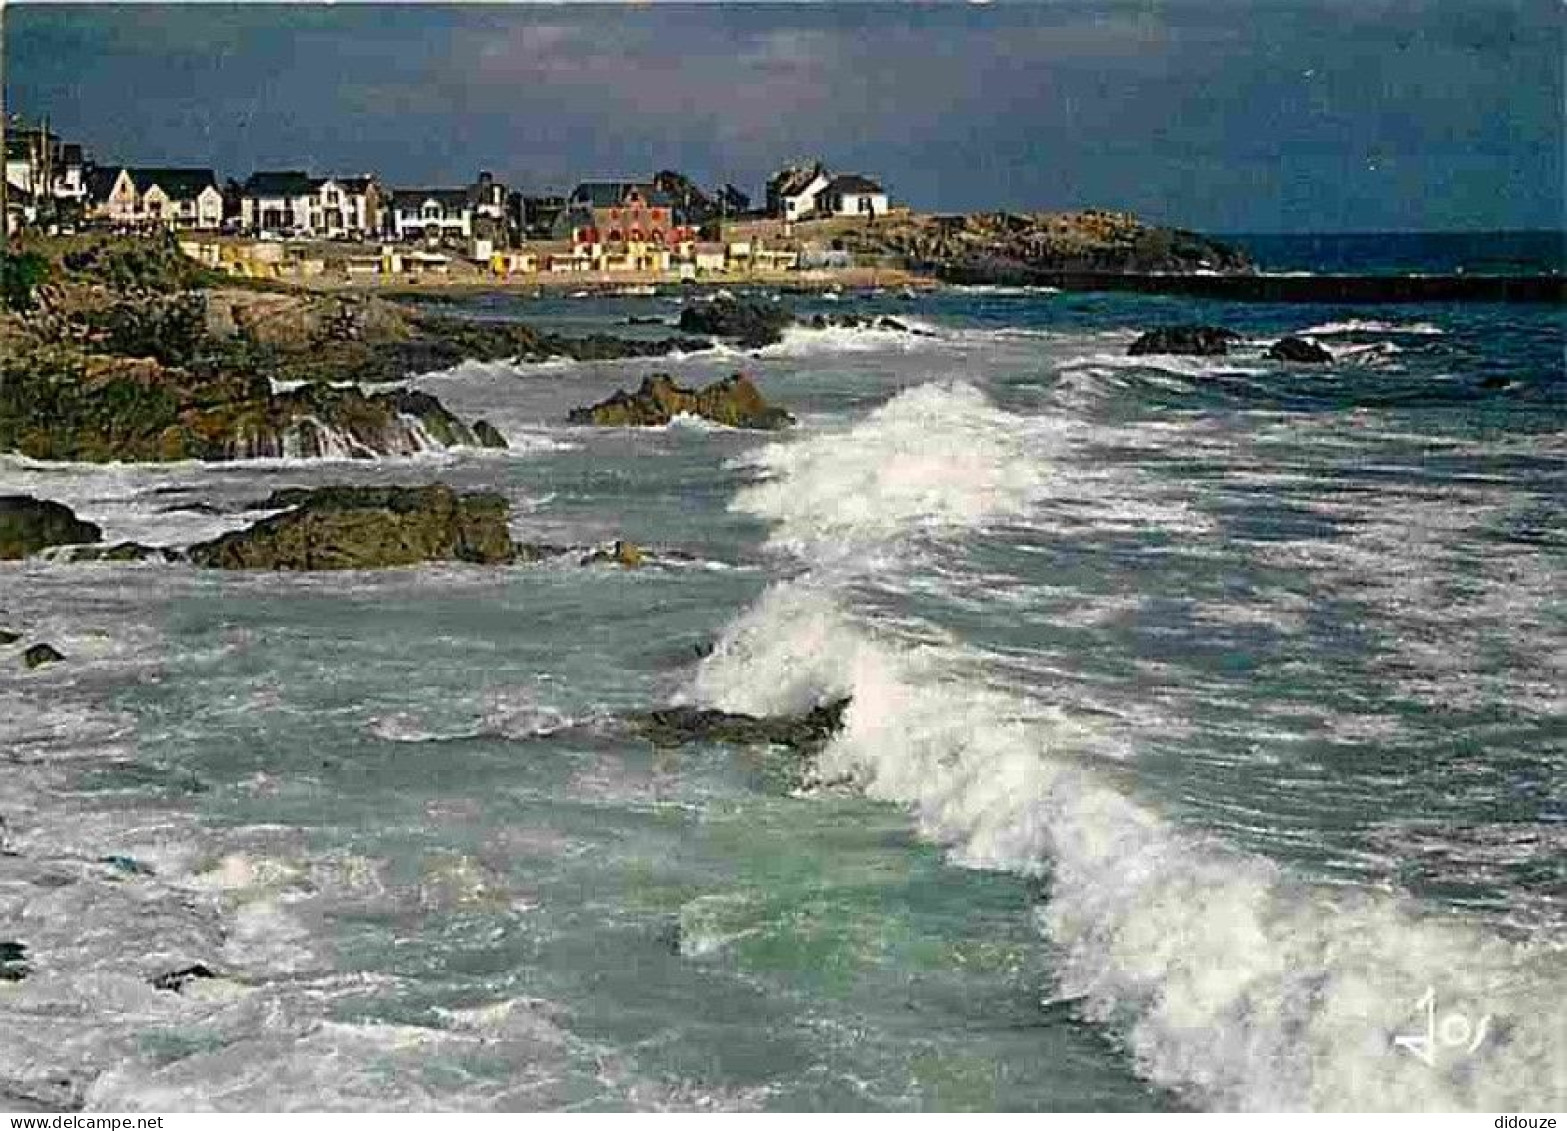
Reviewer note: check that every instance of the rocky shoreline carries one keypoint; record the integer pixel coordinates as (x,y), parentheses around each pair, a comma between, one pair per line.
(123,350)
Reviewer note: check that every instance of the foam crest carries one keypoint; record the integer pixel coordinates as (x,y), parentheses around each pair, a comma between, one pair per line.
(1230,980)
(935,457)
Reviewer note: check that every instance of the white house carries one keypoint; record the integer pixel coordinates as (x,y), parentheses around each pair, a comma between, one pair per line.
(344,207)
(277,203)
(175,198)
(430,213)
(850,194)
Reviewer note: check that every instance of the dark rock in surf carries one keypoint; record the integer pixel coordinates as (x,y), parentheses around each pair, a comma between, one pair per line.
(679,726)
(627,555)
(120,552)
(749,324)
(28,525)
(175,981)
(1194,341)
(13,962)
(9,637)
(488,435)
(41,654)
(735,401)
(1302,350)
(332,528)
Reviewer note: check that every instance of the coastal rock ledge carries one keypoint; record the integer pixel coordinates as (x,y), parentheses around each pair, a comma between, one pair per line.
(735,401)
(28,525)
(332,528)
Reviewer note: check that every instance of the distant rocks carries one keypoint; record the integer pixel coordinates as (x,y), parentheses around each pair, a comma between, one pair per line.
(628,555)
(1195,341)
(679,726)
(13,961)
(28,525)
(734,401)
(39,655)
(863,322)
(1302,350)
(749,324)
(333,528)
(175,981)
(119,552)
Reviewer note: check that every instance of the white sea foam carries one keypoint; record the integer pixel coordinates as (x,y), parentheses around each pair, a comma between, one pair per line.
(937,456)
(1231,980)
(1373,326)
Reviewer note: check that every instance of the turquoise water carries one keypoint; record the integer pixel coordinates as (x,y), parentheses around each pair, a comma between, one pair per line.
(1206,714)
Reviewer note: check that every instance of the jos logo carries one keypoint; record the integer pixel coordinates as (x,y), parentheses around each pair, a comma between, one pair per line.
(1453,1031)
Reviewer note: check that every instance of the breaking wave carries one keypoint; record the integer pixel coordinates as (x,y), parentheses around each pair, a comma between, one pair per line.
(1229,980)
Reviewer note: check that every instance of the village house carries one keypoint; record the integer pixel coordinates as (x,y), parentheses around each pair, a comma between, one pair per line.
(850,194)
(805,192)
(41,169)
(431,213)
(792,191)
(277,203)
(623,225)
(345,207)
(142,197)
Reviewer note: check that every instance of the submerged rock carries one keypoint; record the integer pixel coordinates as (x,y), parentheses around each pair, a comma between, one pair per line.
(1298,349)
(13,961)
(677,726)
(28,525)
(734,401)
(864,322)
(1197,341)
(120,552)
(626,554)
(750,324)
(40,654)
(175,981)
(366,528)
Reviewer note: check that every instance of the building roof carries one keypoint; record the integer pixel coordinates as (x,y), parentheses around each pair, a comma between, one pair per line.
(448,197)
(177,184)
(100,180)
(291,182)
(794,179)
(356,185)
(853,182)
(611,194)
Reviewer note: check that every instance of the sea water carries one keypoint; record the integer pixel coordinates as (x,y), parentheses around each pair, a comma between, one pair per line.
(1206,745)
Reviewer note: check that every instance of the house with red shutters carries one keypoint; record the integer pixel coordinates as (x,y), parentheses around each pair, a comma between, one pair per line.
(624,225)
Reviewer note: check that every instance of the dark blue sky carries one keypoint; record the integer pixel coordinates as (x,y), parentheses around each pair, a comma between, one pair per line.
(1227,115)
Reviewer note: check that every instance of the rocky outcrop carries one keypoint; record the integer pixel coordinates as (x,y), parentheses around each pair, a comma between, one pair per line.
(735,401)
(1019,247)
(333,528)
(863,322)
(679,726)
(749,324)
(122,357)
(1197,341)
(119,552)
(13,961)
(628,555)
(175,981)
(1302,350)
(99,409)
(40,654)
(28,525)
